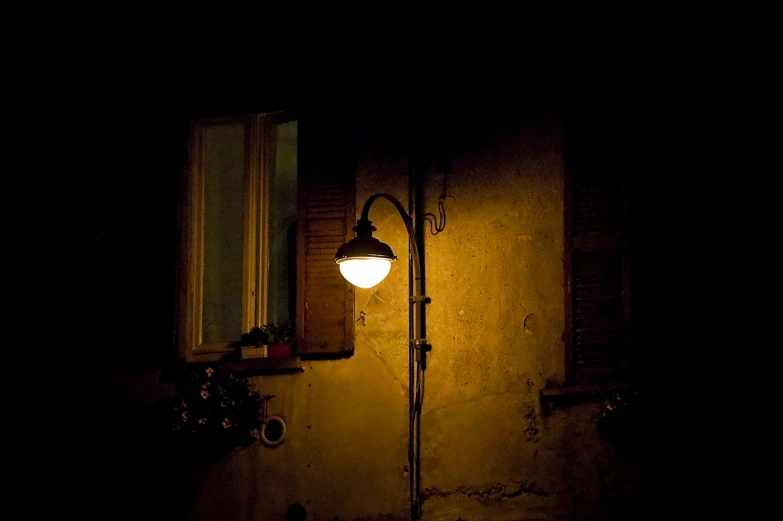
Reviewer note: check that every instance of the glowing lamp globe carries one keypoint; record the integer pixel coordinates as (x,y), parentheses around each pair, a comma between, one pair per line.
(364,260)
(365,272)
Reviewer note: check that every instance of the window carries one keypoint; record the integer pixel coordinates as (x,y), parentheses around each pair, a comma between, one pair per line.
(596,259)
(257,219)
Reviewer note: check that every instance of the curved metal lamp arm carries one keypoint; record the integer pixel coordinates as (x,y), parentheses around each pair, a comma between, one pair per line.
(408,225)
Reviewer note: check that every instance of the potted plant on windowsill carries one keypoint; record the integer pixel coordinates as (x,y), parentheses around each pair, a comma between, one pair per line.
(270,340)
(281,339)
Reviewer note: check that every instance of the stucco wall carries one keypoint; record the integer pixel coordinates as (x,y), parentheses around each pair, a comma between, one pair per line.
(490,449)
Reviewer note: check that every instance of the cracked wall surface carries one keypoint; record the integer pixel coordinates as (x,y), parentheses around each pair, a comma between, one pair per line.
(495,277)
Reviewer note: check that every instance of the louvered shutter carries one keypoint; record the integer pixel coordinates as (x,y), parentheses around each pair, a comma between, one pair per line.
(326,217)
(596,259)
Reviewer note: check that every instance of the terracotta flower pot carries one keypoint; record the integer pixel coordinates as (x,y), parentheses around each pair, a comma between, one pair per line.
(279,350)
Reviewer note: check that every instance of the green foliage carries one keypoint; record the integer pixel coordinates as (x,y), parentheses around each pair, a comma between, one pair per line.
(270,333)
(256,337)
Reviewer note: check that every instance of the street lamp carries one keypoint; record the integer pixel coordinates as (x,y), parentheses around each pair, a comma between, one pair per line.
(365,261)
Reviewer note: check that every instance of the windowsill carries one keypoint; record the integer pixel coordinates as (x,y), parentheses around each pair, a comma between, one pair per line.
(270,365)
(582,393)
(245,367)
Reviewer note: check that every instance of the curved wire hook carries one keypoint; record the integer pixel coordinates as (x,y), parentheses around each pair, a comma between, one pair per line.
(438,224)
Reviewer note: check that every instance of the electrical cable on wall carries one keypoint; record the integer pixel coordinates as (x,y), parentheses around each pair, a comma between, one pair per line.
(438,223)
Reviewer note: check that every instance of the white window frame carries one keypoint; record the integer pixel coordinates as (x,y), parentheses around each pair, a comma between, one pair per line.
(259,160)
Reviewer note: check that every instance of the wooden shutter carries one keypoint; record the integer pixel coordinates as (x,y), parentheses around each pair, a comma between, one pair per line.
(326,216)
(596,263)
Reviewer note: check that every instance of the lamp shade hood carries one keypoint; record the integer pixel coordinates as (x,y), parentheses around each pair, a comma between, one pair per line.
(364,246)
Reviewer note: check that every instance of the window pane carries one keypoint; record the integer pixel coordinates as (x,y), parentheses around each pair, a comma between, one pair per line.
(282,226)
(224,172)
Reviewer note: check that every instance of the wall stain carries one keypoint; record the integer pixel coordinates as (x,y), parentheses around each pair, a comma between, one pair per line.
(493,493)
(463,401)
(379,517)
(532,425)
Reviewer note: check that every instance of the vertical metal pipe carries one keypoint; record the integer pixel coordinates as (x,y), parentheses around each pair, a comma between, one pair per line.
(412,273)
(420,321)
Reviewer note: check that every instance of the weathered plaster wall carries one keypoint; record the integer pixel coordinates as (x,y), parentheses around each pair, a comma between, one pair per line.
(490,449)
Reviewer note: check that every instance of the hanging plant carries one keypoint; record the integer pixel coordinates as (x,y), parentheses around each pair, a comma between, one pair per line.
(215,410)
